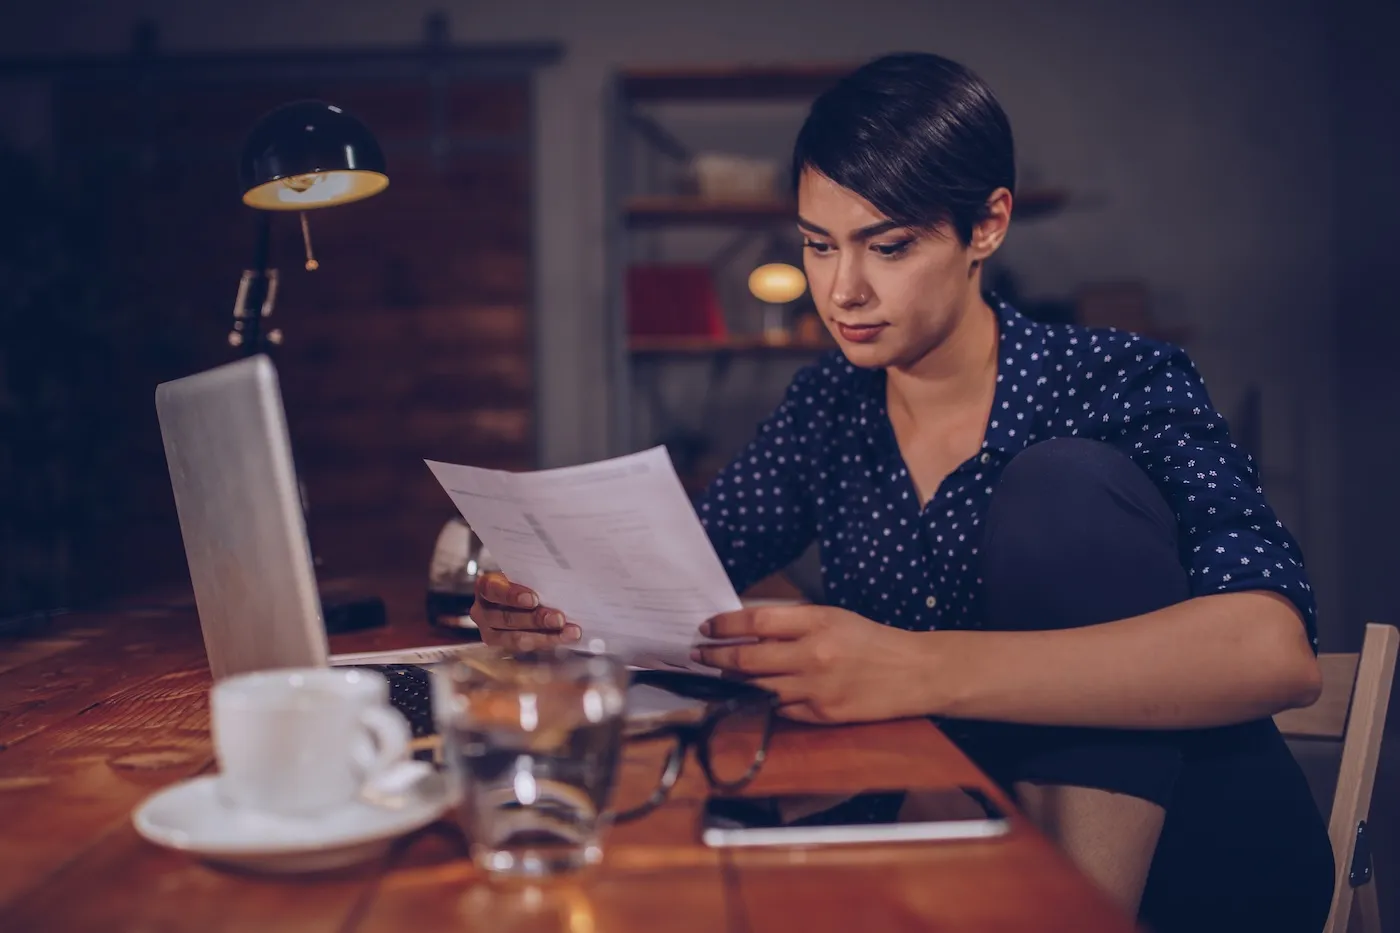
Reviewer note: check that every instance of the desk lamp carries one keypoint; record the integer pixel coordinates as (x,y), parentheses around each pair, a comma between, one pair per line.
(302,156)
(776,284)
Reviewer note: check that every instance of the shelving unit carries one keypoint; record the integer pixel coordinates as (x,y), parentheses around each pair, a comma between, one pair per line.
(631,213)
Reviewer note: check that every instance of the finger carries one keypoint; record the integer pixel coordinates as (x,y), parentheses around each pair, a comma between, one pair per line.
(528,641)
(495,587)
(516,639)
(757,658)
(551,620)
(540,620)
(492,587)
(759,622)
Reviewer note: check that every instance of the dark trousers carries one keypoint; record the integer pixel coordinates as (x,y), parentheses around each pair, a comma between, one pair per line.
(1078,535)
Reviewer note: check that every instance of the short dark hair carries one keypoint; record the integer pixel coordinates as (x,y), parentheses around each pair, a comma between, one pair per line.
(920,137)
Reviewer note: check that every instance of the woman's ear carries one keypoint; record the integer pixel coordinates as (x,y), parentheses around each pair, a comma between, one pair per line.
(991,230)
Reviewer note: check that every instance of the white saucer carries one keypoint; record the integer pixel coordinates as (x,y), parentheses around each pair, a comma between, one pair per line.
(190,817)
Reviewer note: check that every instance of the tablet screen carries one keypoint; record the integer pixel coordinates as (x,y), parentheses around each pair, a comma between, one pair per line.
(869,816)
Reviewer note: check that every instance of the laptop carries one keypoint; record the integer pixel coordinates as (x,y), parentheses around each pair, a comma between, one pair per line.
(239,505)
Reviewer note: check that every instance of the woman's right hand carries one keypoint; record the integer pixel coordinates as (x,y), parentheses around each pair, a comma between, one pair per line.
(510,616)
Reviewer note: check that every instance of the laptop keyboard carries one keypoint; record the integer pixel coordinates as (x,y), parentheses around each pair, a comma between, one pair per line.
(411,693)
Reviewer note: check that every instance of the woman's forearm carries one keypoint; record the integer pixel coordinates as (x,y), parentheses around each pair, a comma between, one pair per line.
(1210,661)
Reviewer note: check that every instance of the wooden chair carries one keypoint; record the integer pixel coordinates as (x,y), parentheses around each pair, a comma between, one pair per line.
(1352,708)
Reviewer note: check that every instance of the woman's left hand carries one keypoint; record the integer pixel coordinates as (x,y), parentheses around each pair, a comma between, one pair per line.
(825,664)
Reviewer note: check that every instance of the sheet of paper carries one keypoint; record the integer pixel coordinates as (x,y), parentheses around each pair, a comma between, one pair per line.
(615,545)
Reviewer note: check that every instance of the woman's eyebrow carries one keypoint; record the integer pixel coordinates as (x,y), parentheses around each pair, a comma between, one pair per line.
(864,233)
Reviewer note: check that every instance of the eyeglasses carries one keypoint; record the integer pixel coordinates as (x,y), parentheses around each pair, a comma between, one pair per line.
(730,738)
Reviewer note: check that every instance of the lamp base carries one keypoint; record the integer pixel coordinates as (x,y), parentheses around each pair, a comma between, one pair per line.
(775,329)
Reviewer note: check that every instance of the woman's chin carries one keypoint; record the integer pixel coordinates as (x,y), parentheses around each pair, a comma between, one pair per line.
(865,355)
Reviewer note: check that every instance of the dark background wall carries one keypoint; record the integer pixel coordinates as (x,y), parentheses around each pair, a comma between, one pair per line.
(415,337)
(1366,134)
(1235,157)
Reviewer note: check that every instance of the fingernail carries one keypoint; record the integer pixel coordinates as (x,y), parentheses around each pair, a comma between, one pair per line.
(527,600)
(571,633)
(695,655)
(705,627)
(554,620)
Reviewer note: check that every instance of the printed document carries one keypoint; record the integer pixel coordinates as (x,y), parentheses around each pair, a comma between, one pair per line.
(614,545)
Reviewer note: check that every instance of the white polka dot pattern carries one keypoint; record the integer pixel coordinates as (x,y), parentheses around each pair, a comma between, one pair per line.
(826,466)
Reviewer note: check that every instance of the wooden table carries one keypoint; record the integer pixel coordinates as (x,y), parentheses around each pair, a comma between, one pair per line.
(98,710)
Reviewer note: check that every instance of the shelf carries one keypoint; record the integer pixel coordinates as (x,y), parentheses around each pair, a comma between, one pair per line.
(685,345)
(730,83)
(691,211)
(695,211)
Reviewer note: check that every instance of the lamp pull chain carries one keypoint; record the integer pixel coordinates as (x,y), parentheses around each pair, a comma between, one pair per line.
(311,264)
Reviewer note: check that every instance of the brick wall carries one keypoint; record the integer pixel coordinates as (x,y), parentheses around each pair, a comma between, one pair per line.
(412,340)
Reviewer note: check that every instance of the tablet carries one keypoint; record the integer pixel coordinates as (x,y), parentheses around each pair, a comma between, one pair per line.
(874,816)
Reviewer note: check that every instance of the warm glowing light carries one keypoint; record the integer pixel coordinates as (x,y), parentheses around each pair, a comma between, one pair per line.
(777,283)
(322,189)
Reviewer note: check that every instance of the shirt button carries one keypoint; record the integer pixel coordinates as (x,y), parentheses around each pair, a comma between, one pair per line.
(931,601)
(986,458)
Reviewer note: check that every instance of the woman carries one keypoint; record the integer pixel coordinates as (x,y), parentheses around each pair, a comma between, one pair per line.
(1042,535)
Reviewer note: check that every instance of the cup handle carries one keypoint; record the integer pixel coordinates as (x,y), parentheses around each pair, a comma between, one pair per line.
(389,740)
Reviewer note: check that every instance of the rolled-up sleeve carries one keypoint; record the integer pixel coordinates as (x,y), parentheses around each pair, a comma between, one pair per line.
(1157,411)
(756,511)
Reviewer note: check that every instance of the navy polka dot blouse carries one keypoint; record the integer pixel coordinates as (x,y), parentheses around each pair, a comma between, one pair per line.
(826,466)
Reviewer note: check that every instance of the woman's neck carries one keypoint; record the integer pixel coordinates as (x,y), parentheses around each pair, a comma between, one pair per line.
(956,371)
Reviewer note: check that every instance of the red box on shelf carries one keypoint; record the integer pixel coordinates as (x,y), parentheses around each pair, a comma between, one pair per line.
(673,300)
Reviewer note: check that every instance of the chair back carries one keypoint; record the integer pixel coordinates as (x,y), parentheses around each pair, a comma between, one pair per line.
(1355,697)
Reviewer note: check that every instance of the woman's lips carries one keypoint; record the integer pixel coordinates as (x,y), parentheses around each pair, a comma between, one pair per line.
(859,333)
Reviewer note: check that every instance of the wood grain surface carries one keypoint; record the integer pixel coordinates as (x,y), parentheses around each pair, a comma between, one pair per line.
(99,710)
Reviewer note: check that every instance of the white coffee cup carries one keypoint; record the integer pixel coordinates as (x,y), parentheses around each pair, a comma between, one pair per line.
(303,741)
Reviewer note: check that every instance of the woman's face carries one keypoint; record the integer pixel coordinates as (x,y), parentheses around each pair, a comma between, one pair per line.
(888,294)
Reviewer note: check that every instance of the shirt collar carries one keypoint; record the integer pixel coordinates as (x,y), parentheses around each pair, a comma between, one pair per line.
(1020,359)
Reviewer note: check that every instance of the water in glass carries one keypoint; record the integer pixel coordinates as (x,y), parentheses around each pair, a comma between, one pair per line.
(534,742)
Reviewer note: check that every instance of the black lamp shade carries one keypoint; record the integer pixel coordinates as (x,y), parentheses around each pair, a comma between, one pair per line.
(307,155)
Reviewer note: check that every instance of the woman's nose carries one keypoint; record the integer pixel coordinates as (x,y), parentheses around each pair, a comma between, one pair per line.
(850,290)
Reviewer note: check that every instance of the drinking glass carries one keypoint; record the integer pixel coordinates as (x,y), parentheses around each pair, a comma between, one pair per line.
(532,742)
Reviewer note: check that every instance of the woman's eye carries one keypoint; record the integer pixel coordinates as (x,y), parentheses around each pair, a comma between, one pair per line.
(891,250)
(815,246)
